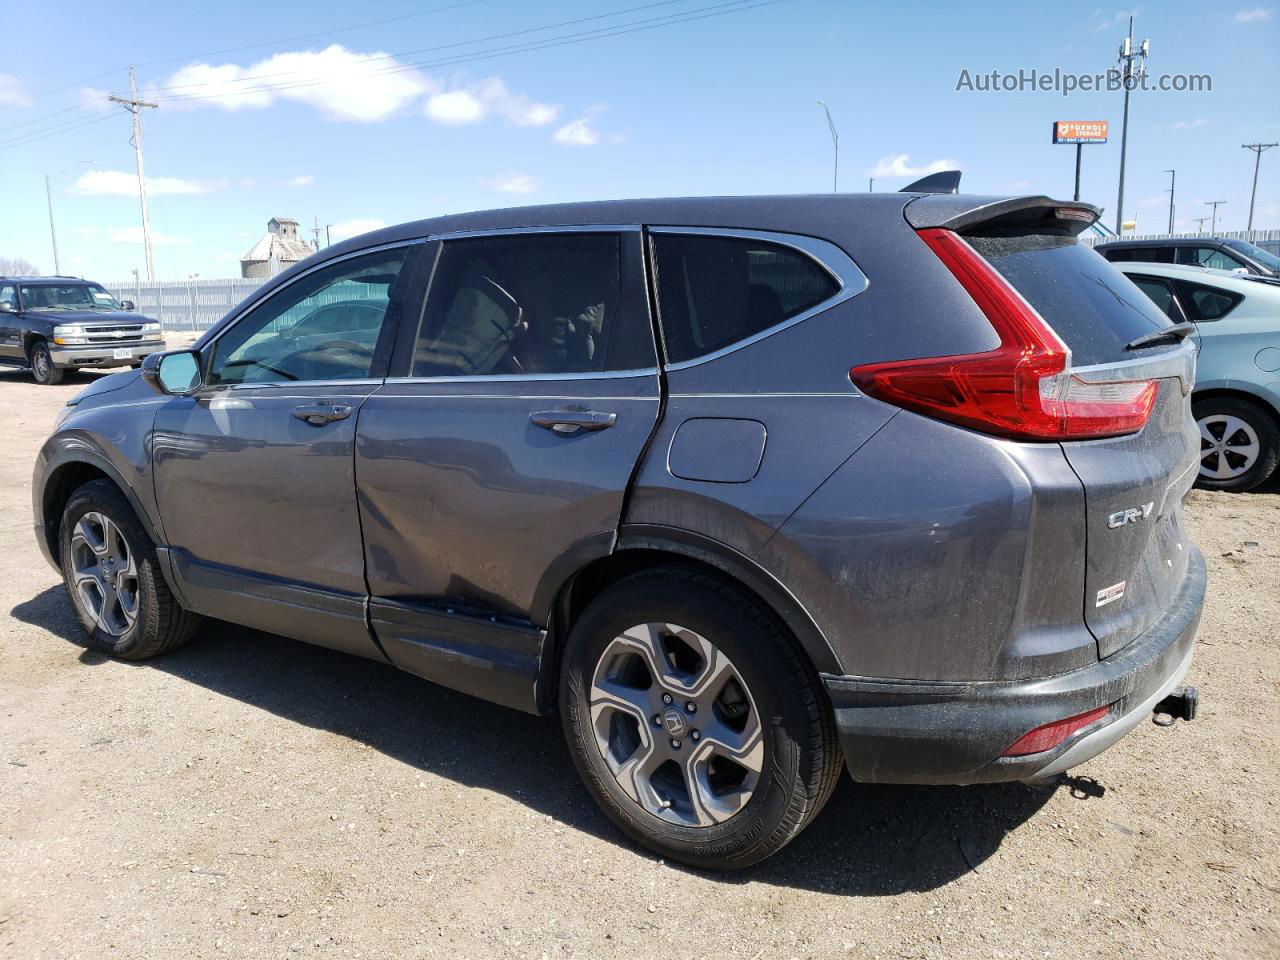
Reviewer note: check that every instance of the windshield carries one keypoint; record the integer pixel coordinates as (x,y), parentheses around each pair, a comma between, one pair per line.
(68,296)
(1268,260)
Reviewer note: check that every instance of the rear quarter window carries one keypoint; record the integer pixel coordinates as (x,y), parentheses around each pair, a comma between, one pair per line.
(715,291)
(1207,303)
(1089,303)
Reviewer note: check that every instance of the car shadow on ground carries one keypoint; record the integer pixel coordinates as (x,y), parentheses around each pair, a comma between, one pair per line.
(870,840)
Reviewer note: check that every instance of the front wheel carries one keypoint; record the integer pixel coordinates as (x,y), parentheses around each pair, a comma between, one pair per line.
(43,369)
(113,578)
(1239,443)
(695,722)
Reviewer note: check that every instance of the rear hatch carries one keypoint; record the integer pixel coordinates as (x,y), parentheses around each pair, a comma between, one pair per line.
(1137,547)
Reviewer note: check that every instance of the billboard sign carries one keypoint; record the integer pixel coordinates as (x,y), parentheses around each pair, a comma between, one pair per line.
(1080,131)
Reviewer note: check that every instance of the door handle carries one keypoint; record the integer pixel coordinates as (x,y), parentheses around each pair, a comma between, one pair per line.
(573,421)
(318,414)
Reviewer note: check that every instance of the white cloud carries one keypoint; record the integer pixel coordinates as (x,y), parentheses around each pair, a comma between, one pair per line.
(1188,124)
(118,183)
(1118,19)
(899,165)
(11,92)
(352,228)
(91,98)
(455,108)
(473,102)
(514,183)
(1254,15)
(577,133)
(342,84)
(304,180)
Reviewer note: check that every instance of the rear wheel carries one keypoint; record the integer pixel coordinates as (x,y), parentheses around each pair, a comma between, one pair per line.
(1239,443)
(112,576)
(698,726)
(43,369)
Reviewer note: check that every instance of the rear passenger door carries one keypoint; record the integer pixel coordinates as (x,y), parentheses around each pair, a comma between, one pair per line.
(495,460)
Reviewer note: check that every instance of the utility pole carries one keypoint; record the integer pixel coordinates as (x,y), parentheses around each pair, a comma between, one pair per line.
(1258,149)
(1199,224)
(315,232)
(1130,77)
(136,106)
(327,241)
(1173,180)
(49,180)
(871,185)
(835,145)
(1213,224)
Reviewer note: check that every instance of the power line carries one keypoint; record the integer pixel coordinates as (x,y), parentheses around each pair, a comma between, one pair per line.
(264,43)
(74,106)
(443,46)
(703,13)
(64,127)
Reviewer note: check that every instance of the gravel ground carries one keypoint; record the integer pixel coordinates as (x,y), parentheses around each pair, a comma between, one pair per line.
(249,796)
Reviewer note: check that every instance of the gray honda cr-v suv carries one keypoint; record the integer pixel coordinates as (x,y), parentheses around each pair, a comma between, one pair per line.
(742,488)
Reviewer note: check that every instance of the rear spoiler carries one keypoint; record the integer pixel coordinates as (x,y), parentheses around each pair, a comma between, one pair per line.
(963,213)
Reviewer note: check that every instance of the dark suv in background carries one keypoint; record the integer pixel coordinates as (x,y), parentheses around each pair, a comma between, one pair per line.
(745,489)
(55,324)
(1216,253)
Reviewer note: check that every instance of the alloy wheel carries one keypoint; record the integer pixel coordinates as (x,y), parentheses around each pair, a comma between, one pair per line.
(40,364)
(105,574)
(676,724)
(1229,446)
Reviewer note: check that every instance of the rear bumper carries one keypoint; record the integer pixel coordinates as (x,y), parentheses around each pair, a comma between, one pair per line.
(897,731)
(103,356)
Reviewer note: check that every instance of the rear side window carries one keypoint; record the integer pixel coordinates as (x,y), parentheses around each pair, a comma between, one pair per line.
(1207,257)
(1161,295)
(716,291)
(531,304)
(1207,303)
(1089,303)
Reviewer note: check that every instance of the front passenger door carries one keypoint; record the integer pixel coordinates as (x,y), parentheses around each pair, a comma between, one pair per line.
(254,474)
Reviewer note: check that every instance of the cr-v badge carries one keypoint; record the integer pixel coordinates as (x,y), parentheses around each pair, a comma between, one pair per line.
(1132,515)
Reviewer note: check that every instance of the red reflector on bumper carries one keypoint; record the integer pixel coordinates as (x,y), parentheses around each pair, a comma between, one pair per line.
(1052,734)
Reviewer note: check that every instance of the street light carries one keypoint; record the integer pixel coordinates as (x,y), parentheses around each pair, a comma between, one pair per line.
(49,179)
(835,146)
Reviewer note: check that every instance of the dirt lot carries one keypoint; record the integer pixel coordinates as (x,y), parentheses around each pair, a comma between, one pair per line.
(251,796)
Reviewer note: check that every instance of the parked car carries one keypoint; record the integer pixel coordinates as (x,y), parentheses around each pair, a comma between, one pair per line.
(739,487)
(1236,400)
(55,324)
(1216,253)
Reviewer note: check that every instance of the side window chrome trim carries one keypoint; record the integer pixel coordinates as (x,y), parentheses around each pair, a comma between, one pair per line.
(264,297)
(838,264)
(532,377)
(517,231)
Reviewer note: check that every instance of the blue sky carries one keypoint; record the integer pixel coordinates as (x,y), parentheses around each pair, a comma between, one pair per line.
(331,116)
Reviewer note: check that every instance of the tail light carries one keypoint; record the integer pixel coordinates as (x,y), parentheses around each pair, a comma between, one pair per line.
(1052,734)
(1023,389)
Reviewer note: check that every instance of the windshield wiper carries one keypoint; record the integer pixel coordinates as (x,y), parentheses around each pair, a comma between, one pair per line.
(1179,331)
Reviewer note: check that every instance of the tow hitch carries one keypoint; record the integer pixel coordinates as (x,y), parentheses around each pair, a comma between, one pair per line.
(1181,704)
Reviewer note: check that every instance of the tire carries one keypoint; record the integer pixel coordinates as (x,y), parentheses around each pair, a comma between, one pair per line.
(1239,443)
(790,761)
(99,525)
(43,370)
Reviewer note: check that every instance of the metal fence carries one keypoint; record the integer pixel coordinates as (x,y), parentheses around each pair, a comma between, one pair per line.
(1268,240)
(185,304)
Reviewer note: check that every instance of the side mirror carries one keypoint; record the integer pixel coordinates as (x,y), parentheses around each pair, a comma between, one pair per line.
(176,372)
(6,306)
(127,305)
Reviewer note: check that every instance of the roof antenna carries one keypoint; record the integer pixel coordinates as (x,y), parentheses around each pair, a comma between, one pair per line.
(944,181)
